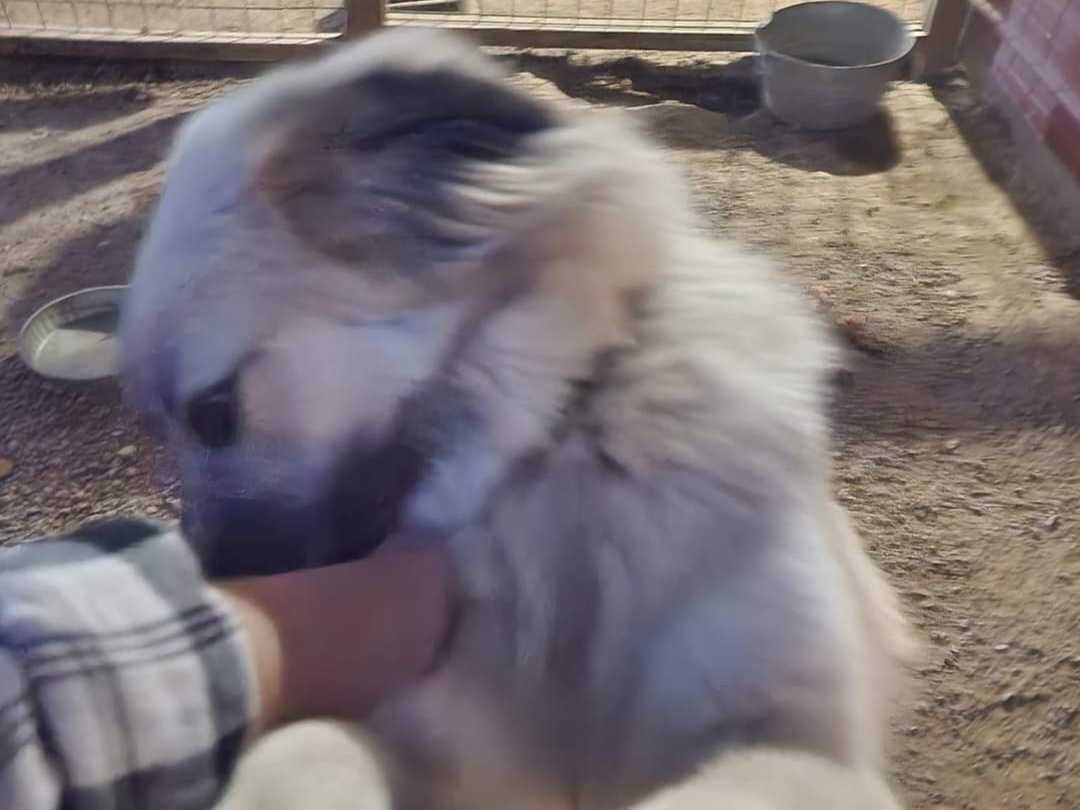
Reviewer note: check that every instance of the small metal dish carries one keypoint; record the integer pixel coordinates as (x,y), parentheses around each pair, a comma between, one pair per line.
(74,337)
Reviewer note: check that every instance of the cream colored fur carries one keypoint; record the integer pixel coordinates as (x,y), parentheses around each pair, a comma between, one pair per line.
(662,607)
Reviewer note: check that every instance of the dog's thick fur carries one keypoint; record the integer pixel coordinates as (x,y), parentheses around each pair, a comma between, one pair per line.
(447,311)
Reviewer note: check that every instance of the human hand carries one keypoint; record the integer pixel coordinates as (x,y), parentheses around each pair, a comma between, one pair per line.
(335,641)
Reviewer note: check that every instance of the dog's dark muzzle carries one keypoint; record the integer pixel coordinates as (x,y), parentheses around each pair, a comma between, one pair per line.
(240,536)
(236,537)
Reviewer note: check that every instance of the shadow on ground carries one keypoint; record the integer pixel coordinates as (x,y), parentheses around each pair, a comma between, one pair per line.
(26,114)
(68,73)
(103,255)
(960,384)
(49,102)
(728,112)
(989,137)
(729,88)
(31,188)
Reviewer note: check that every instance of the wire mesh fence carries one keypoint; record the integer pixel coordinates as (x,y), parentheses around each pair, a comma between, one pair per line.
(311,20)
(137,17)
(667,11)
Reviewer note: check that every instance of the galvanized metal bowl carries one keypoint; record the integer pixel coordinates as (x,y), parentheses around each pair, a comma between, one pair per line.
(74,337)
(825,65)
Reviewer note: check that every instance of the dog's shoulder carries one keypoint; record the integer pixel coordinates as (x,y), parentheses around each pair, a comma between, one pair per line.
(729,373)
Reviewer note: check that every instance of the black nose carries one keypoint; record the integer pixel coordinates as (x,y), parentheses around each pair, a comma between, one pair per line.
(236,536)
(238,558)
(242,538)
(369,494)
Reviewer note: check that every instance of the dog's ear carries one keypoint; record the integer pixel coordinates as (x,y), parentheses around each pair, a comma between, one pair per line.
(403,169)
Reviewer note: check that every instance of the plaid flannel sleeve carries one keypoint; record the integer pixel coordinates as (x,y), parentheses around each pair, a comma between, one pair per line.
(125,683)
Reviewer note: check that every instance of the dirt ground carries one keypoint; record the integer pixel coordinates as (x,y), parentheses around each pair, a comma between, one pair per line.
(958,423)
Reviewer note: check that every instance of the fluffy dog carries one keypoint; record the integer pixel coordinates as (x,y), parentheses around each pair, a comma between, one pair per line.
(388,298)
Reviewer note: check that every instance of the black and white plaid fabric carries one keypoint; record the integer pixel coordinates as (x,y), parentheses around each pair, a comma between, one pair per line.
(125,682)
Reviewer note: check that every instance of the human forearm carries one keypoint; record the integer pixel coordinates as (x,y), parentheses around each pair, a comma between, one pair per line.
(335,641)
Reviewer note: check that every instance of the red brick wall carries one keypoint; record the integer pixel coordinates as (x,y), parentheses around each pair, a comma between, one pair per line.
(1028,52)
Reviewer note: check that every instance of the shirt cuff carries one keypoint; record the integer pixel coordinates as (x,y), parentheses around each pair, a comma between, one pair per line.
(126,681)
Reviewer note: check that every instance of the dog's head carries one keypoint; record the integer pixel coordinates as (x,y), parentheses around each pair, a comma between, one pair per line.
(370,284)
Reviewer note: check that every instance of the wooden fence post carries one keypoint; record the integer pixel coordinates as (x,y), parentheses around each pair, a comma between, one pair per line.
(944,25)
(364,16)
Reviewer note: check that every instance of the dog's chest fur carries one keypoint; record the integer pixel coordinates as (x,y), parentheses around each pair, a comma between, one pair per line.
(616,633)
(653,586)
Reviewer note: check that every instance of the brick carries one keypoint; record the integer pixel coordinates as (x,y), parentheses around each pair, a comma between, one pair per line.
(1063,137)
(1000,72)
(1066,35)
(1054,76)
(1038,105)
(1033,29)
(1045,16)
(1023,71)
(1071,17)
(1010,89)
(1031,90)
(1066,57)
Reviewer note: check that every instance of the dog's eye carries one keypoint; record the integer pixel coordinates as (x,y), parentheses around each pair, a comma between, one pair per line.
(212,416)
(473,140)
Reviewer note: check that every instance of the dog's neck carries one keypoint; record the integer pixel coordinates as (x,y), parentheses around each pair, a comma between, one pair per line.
(530,356)
(523,384)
